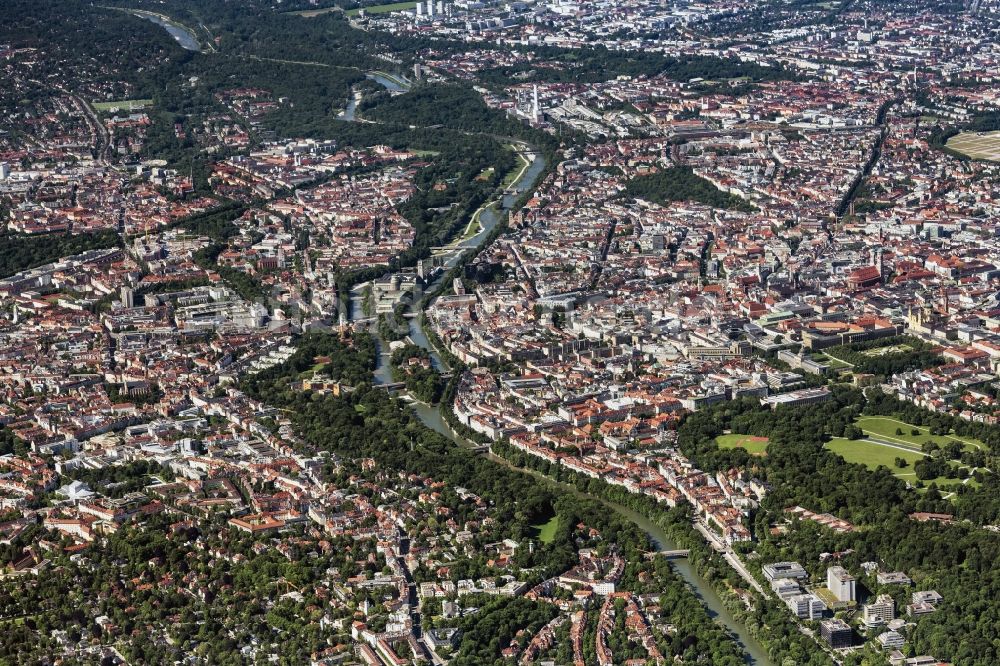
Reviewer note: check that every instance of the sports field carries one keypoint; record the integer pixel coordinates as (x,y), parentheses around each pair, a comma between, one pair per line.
(122,105)
(977,145)
(384,9)
(755,446)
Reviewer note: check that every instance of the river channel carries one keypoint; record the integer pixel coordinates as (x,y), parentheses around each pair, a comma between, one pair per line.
(489,217)
(184,37)
(431,417)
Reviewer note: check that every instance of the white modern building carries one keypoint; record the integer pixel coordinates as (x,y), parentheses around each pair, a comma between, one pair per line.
(842,585)
(879,612)
(806,606)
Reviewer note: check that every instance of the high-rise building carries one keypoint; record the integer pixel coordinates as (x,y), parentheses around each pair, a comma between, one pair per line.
(4,170)
(128,297)
(842,584)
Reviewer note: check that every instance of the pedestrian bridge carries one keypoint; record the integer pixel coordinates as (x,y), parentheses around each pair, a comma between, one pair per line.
(398,386)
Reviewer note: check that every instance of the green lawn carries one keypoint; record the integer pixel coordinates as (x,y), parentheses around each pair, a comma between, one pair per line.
(546,531)
(122,104)
(473,227)
(943,482)
(512,175)
(885,427)
(306,374)
(755,446)
(872,455)
(384,9)
(310,13)
(834,363)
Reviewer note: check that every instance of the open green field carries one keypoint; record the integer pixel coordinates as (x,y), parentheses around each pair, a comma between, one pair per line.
(885,428)
(122,105)
(943,483)
(755,446)
(834,363)
(977,145)
(473,227)
(306,374)
(512,176)
(546,531)
(872,454)
(310,13)
(383,9)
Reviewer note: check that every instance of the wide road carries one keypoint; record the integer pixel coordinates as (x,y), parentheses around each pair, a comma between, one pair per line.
(730,556)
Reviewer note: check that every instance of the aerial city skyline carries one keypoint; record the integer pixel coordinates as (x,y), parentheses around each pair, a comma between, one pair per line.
(480,332)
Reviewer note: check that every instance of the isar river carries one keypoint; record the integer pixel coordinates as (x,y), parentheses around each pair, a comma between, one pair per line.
(489,217)
(184,36)
(431,417)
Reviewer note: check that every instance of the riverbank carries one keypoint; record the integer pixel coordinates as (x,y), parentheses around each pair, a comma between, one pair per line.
(182,34)
(719,607)
(434,418)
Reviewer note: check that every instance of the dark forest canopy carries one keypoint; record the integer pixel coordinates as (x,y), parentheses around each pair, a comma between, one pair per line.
(18,253)
(681,183)
(600,64)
